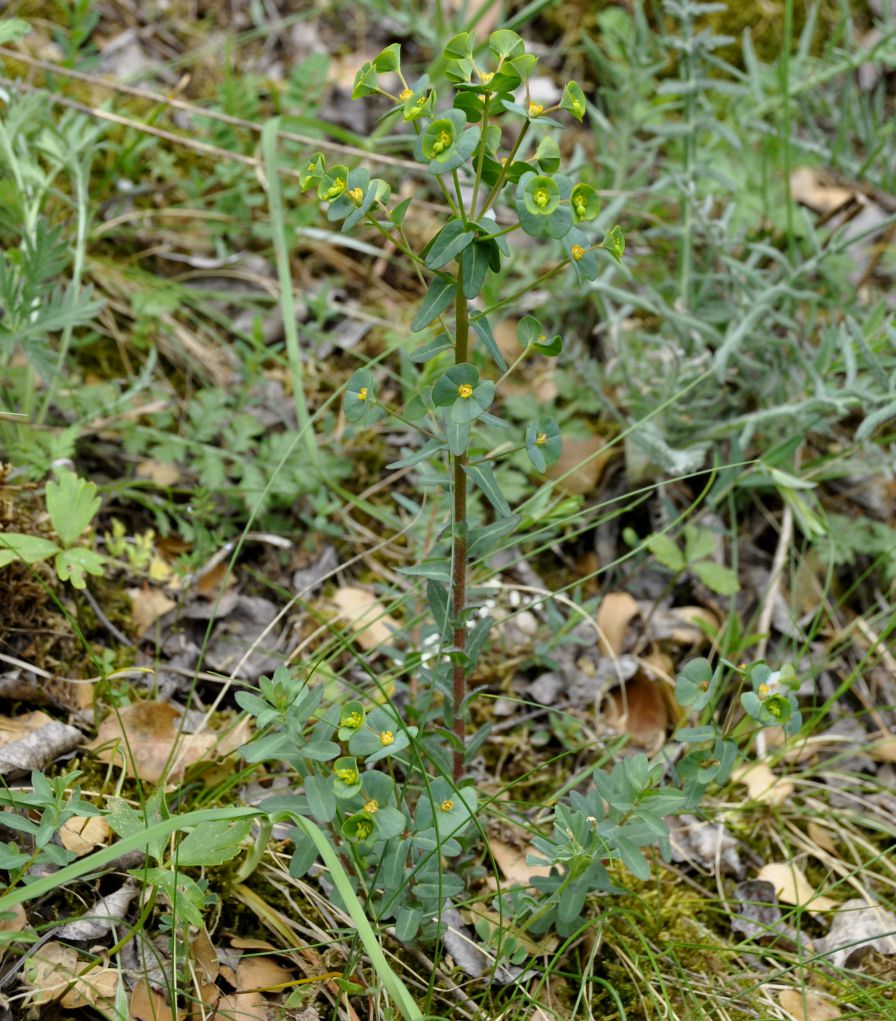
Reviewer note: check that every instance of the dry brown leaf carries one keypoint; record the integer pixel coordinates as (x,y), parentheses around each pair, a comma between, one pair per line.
(709,845)
(148,1005)
(141,737)
(809,187)
(639,709)
(206,999)
(250,943)
(12,728)
(659,668)
(820,836)
(228,741)
(512,862)
(209,583)
(884,750)
(156,471)
(261,973)
(81,834)
(205,958)
(240,1007)
(792,887)
(615,613)
(762,783)
(371,627)
(147,605)
(806,1005)
(58,972)
(681,625)
(16,922)
(581,464)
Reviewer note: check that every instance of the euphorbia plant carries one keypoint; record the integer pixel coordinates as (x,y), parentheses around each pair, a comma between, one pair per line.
(495,162)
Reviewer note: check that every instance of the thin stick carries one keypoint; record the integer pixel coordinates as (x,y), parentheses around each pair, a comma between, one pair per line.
(774,581)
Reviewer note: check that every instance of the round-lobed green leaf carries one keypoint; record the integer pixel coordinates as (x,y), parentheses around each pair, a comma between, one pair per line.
(543,442)
(358,403)
(447,389)
(547,155)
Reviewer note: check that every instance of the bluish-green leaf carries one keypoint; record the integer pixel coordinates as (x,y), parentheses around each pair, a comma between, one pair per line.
(448,244)
(484,478)
(474,267)
(438,297)
(430,448)
(483,330)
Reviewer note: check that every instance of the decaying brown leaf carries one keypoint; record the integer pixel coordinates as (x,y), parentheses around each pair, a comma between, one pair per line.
(806,1005)
(709,845)
(639,709)
(811,187)
(98,920)
(792,887)
(820,836)
(762,783)
(12,728)
(680,625)
(142,736)
(615,613)
(884,750)
(240,1007)
(365,616)
(157,471)
(759,918)
(148,1005)
(581,464)
(147,606)
(15,921)
(82,834)
(512,862)
(261,974)
(58,972)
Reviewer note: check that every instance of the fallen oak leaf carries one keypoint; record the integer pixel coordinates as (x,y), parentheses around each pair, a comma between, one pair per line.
(142,737)
(365,616)
(806,1005)
(615,613)
(762,783)
(792,887)
(81,834)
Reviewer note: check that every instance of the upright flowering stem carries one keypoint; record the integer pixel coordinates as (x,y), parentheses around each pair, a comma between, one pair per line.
(459,540)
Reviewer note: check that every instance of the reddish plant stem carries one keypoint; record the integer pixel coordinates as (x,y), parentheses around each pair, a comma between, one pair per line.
(459,543)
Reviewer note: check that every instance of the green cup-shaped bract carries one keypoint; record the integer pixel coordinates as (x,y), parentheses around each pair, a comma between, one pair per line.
(540,194)
(584,202)
(333,183)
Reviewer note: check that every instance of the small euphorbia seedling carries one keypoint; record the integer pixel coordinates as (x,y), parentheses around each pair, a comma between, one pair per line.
(490,190)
